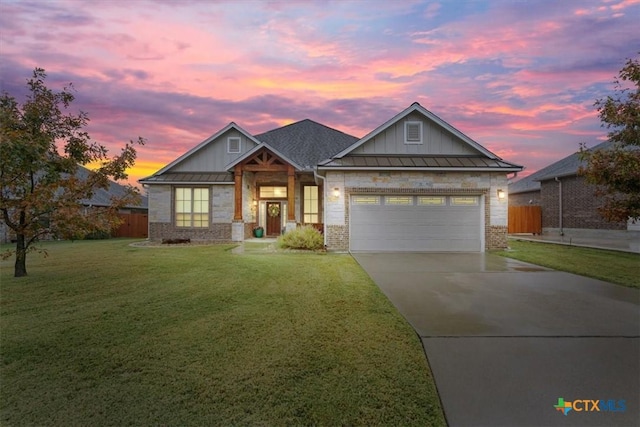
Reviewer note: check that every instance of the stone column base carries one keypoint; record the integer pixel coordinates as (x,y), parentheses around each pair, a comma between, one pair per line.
(237,231)
(291,225)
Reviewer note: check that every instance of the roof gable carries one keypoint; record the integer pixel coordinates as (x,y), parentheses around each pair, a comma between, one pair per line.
(200,157)
(438,138)
(256,151)
(306,142)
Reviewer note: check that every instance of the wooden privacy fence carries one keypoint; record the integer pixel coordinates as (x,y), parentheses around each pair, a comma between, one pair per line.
(525,219)
(133,225)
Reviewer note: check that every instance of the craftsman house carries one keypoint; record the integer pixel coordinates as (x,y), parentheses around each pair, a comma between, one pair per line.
(415,183)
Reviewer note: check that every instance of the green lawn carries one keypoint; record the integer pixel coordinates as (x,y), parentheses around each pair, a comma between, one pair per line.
(616,267)
(101,333)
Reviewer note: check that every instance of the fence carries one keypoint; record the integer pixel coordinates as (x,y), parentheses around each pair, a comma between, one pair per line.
(133,225)
(525,219)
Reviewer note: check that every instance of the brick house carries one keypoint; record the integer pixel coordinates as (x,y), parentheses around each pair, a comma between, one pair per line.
(414,183)
(568,202)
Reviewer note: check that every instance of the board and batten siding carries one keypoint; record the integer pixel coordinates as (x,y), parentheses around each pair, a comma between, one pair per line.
(214,157)
(435,140)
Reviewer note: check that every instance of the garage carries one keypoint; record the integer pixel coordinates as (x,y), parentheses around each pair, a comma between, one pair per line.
(416,223)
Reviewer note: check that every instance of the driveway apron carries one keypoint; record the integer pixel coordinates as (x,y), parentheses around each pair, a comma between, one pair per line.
(506,340)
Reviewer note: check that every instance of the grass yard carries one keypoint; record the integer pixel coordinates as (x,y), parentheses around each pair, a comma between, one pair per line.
(616,267)
(101,333)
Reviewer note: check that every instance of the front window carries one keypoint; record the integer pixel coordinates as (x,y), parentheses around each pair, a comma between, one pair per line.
(192,207)
(311,204)
(271,192)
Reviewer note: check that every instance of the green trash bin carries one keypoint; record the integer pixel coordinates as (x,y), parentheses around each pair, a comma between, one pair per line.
(258,232)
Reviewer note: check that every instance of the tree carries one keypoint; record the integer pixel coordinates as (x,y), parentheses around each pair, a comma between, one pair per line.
(42,145)
(616,171)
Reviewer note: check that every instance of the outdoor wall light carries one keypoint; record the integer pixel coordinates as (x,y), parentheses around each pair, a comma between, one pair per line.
(255,203)
(501,194)
(336,192)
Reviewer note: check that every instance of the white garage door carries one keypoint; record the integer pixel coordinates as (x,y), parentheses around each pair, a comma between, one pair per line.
(415,223)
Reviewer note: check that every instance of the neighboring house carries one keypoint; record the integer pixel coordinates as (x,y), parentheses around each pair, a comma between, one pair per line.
(135,221)
(567,200)
(415,183)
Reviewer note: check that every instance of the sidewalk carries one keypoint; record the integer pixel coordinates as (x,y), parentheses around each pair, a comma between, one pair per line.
(627,243)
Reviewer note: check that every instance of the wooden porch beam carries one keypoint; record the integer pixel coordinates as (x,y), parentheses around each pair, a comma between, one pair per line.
(291,195)
(237,175)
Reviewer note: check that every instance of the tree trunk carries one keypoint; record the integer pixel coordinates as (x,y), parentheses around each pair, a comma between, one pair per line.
(21,257)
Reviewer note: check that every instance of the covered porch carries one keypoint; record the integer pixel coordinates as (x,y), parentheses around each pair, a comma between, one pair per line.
(273,193)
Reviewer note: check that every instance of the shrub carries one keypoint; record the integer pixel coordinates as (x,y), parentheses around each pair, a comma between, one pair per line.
(305,237)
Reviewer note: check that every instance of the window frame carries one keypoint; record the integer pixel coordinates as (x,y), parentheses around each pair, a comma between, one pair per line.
(442,199)
(234,138)
(453,200)
(314,203)
(398,200)
(191,214)
(408,141)
(356,197)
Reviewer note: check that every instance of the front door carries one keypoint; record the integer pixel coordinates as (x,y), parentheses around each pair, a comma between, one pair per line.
(274,218)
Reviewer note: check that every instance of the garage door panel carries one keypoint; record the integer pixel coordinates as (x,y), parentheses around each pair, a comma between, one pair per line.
(388,227)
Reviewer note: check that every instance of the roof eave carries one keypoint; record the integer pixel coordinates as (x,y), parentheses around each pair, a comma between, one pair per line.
(422,169)
(187,183)
(553,176)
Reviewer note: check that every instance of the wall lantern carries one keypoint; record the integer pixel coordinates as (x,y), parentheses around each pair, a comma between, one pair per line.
(501,194)
(255,203)
(336,192)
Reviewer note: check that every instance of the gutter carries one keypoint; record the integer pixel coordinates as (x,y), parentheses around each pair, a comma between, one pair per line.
(560,204)
(421,169)
(324,202)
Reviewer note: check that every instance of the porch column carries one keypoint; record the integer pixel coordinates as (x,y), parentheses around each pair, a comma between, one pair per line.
(291,199)
(291,194)
(237,213)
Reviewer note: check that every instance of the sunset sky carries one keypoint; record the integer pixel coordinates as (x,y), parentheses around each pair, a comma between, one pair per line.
(518,76)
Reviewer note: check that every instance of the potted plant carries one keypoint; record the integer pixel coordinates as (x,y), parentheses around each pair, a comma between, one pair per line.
(258,231)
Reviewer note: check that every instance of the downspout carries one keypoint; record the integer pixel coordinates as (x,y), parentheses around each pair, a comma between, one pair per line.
(560,204)
(324,203)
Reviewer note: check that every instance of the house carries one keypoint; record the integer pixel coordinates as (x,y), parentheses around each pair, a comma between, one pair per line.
(135,220)
(567,201)
(414,183)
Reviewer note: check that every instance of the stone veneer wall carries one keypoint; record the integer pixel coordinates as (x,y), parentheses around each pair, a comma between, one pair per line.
(496,237)
(217,232)
(248,229)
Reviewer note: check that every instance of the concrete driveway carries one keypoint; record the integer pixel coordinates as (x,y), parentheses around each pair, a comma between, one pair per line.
(505,339)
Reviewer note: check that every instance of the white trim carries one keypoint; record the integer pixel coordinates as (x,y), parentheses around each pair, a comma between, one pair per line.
(238,150)
(408,141)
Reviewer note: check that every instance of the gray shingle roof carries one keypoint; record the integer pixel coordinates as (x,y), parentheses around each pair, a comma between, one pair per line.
(307,142)
(405,161)
(565,167)
(102,197)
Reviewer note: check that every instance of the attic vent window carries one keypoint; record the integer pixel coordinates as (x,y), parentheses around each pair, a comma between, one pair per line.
(413,132)
(233,145)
